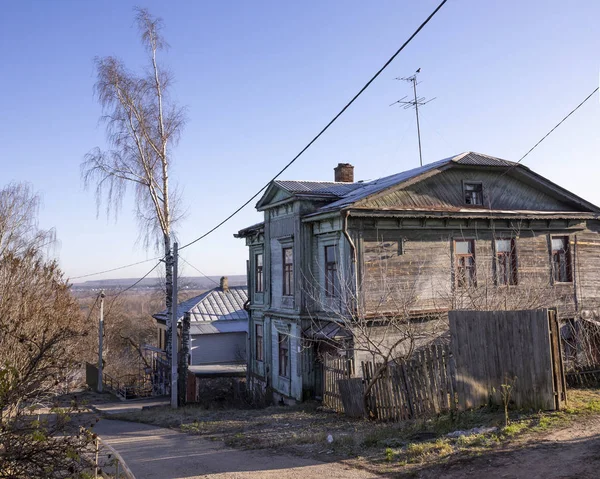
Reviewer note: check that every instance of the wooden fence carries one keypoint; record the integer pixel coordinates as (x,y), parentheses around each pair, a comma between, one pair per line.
(521,348)
(335,369)
(420,387)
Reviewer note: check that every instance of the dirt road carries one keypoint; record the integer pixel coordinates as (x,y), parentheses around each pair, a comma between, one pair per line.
(569,453)
(157,453)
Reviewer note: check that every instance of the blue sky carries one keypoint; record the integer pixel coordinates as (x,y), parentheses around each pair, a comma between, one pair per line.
(261,78)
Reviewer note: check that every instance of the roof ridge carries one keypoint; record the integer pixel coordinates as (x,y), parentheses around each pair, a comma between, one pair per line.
(319,181)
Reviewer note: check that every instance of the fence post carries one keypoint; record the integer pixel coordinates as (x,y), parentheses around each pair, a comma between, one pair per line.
(97,451)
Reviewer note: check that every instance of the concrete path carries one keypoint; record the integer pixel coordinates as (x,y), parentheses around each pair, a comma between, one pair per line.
(157,453)
(117,407)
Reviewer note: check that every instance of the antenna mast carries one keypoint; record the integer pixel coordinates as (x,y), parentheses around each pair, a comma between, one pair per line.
(416,103)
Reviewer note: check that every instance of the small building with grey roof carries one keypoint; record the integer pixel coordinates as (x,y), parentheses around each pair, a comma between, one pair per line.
(218,325)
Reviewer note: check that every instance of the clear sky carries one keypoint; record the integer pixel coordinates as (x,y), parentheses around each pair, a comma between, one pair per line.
(261,78)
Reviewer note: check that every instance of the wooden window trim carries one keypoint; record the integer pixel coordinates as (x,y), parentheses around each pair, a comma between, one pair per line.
(259,346)
(288,272)
(458,267)
(513,278)
(259,280)
(330,272)
(283,342)
(568,259)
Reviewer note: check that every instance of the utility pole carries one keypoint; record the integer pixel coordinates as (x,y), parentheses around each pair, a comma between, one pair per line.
(414,103)
(174,330)
(100,341)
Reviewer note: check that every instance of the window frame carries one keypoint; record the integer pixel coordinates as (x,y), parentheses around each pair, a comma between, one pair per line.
(458,267)
(259,278)
(287,272)
(259,348)
(283,349)
(331,280)
(472,183)
(513,278)
(568,259)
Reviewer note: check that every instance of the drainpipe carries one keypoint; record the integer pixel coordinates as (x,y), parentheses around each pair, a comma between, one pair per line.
(354,257)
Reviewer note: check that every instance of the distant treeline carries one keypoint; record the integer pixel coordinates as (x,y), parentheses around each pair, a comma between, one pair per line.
(187,282)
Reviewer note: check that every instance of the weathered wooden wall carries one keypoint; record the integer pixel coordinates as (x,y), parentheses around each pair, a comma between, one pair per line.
(414,268)
(492,348)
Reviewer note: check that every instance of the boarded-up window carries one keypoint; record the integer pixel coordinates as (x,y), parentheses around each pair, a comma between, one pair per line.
(464,252)
(258,273)
(259,343)
(284,355)
(288,272)
(561,259)
(330,272)
(506,262)
(473,193)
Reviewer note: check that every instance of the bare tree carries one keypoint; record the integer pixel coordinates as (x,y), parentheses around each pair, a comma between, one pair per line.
(143,124)
(40,335)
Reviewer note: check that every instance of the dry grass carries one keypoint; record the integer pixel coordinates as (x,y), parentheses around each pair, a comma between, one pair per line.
(305,429)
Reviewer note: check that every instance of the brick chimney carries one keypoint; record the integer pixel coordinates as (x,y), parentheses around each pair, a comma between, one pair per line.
(224,283)
(344,173)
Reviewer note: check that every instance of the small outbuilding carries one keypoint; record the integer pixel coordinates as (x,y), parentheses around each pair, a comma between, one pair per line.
(218,325)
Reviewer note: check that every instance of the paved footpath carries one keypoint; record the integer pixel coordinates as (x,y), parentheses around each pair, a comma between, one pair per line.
(157,453)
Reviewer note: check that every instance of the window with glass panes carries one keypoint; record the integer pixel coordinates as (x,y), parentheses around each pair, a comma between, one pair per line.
(330,272)
(284,355)
(561,259)
(506,262)
(288,272)
(258,273)
(464,253)
(259,342)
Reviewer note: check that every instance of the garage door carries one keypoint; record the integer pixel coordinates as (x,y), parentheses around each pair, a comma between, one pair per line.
(218,348)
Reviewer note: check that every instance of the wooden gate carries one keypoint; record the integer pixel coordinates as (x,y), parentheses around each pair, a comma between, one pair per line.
(518,348)
(335,369)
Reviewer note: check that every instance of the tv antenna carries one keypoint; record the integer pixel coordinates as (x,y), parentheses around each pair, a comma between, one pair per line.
(416,103)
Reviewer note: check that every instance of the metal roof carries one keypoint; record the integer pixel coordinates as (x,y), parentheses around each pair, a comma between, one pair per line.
(320,188)
(213,305)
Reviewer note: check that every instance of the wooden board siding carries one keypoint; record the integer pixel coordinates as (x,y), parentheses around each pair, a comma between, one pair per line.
(445,190)
(586,248)
(422,275)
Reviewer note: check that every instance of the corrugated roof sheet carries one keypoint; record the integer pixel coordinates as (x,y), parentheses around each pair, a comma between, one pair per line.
(479,159)
(214,305)
(325,188)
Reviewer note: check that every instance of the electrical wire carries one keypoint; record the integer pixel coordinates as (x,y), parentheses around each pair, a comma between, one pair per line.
(192,266)
(514,165)
(115,269)
(341,112)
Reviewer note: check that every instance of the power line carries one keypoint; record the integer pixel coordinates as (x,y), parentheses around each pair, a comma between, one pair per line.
(191,265)
(115,269)
(323,130)
(514,165)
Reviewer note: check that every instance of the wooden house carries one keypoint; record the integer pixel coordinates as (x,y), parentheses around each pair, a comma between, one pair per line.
(471,231)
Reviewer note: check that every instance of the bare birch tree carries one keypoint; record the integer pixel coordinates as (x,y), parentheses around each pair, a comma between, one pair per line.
(143,124)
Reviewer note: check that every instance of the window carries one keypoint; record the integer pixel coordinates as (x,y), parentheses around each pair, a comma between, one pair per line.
(284,355)
(288,272)
(506,262)
(561,259)
(464,251)
(258,273)
(473,193)
(330,272)
(259,343)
